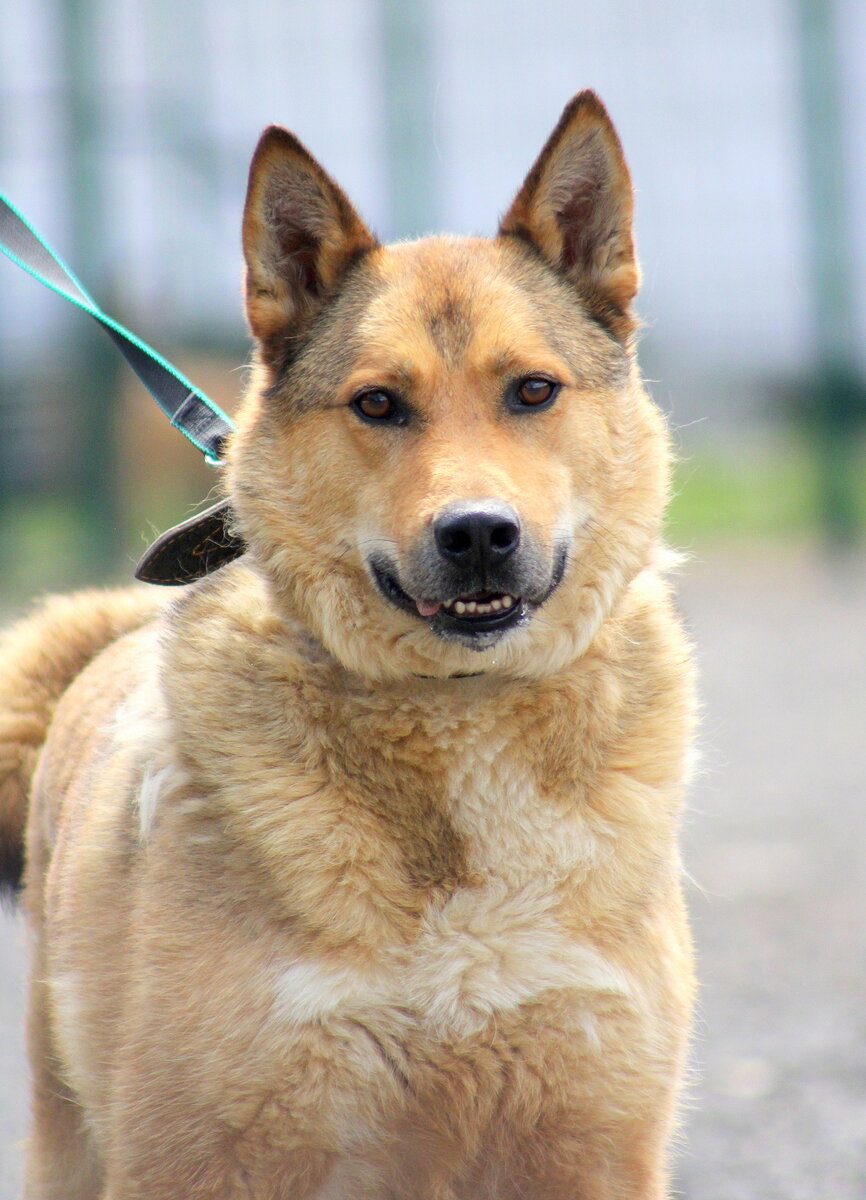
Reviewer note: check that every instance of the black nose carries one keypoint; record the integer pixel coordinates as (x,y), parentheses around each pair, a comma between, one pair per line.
(477,534)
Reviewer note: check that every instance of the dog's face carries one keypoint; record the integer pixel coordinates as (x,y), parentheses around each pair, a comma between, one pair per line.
(447,464)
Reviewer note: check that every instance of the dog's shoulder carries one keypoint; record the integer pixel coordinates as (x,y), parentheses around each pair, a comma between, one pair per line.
(237,677)
(646,708)
(222,627)
(657,662)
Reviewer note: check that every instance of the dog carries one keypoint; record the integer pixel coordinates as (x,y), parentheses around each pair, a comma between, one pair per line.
(352,870)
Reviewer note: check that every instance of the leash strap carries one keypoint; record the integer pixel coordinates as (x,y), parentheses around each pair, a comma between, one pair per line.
(188,409)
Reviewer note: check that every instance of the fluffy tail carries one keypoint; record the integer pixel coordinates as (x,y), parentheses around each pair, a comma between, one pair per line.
(39,658)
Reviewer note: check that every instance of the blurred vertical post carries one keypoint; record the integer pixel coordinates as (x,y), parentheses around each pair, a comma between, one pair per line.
(187,165)
(93,376)
(837,402)
(409,132)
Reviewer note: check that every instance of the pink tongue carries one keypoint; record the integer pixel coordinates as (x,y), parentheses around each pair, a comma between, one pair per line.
(427,610)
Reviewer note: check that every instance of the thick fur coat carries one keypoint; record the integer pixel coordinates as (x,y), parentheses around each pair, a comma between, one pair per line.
(352,870)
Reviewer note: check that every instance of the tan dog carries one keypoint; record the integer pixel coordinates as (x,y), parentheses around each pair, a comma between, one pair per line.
(353,872)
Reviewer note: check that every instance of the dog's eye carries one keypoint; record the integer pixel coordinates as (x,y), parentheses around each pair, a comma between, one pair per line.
(535,391)
(377,405)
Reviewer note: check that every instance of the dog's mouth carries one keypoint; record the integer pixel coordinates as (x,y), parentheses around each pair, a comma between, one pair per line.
(475,612)
(465,616)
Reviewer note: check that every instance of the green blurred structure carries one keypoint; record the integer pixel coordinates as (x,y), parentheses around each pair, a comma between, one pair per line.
(94,372)
(835,399)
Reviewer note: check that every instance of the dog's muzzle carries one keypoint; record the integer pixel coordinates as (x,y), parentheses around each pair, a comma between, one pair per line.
(475,574)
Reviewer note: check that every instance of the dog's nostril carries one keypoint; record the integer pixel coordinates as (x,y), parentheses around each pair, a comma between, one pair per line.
(455,541)
(504,536)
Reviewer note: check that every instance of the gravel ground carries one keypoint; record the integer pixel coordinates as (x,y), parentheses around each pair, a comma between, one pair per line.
(775,843)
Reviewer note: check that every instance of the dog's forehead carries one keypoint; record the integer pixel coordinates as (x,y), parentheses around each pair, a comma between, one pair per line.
(479,298)
(436,286)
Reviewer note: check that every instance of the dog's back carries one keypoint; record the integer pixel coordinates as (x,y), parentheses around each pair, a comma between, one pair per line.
(39,658)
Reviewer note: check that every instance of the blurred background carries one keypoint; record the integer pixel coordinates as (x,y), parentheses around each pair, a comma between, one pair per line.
(126,127)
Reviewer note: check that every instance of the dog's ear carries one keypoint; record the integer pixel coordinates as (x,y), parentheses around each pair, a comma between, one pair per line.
(576,207)
(300,234)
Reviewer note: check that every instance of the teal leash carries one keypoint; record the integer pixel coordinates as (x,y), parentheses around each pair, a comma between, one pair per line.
(192,412)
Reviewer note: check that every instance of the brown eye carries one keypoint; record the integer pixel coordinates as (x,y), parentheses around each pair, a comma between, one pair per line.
(375,405)
(535,391)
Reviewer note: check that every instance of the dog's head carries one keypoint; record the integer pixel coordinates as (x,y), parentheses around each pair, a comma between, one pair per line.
(447,463)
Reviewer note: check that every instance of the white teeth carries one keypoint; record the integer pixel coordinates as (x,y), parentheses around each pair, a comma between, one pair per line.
(480,608)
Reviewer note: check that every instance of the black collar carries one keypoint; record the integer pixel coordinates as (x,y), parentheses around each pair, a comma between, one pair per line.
(191,550)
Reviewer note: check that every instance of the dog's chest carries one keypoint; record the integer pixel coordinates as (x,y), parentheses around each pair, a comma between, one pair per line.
(515,832)
(490,945)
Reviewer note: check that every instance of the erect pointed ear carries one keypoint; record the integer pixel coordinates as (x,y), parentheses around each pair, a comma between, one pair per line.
(576,207)
(300,235)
